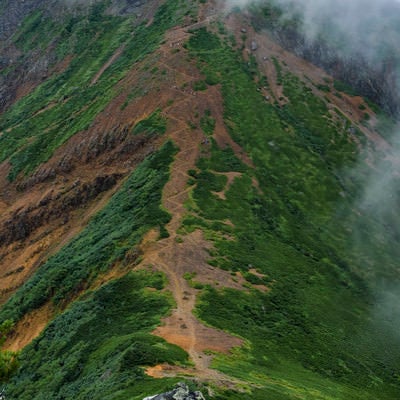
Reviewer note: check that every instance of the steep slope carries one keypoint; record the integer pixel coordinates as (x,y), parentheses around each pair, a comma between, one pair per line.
(178,199)
(38,207)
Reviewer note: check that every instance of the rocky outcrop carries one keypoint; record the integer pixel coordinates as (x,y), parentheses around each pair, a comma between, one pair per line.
(180,392)
(23,222)
(12,14)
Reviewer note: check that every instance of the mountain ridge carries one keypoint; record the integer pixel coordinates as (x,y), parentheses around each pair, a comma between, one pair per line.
(231,239)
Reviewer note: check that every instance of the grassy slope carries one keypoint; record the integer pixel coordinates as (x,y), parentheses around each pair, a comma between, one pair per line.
(68,102)
(97,347)
(310,336)
(121,315)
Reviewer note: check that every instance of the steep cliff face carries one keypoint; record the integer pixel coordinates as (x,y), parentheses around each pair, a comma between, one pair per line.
(180,199)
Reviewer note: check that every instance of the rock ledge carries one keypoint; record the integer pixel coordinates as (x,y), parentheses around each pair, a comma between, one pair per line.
(180,392)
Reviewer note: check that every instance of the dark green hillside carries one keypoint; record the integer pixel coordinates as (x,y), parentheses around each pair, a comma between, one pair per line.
(96,349)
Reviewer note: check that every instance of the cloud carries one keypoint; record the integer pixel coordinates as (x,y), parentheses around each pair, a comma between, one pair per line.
(358,24)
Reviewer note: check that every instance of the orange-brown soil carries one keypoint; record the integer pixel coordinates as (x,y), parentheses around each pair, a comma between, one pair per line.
(28,328)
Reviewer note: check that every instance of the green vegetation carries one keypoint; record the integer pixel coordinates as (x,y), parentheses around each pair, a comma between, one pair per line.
(324,88)
(221,160)
(289,213)
(190,277)
(68,102)
(199,85)
(207,123)
(108,237)
(98,347)
(278,70)
(8,359)
(154,124)
(344,87)
(304,341)
(386,126)
(310,117)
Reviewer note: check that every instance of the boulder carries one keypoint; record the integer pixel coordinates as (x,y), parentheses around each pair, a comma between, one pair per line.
(180,392)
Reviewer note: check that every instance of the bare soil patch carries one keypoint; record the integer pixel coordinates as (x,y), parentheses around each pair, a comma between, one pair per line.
(30,326)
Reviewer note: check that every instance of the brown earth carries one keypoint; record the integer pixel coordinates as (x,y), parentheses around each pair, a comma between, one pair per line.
(117,53)
(29,327)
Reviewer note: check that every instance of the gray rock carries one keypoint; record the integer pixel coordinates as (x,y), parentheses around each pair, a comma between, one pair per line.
(180,392)
(254,45)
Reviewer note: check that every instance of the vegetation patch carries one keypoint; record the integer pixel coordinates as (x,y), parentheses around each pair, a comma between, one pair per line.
(9,362)
(344,87)
(207,123)
(154,124)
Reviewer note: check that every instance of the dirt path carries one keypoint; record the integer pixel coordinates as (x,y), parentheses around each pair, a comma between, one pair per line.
(29,327)
(187,255)
(117,53)
(230,177)
(178,255)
